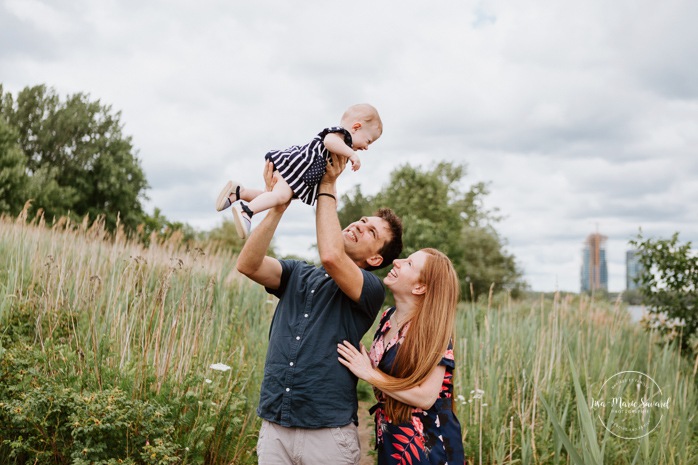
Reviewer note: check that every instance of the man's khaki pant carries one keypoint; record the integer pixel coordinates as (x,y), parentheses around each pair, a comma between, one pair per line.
(298,446)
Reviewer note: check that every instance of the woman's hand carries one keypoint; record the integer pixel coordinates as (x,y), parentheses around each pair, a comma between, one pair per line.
(357,362)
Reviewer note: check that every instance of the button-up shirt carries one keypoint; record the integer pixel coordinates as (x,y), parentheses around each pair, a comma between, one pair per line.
(304,384)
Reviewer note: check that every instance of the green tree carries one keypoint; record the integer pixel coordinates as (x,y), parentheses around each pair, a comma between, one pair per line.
(224,237)
(158,228)
(669,286)
(437,212)
(77,157)
(354,205)
(13,175)
(485,262)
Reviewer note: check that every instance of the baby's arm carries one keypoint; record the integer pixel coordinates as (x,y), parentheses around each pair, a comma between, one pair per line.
(355,162)
(334,142)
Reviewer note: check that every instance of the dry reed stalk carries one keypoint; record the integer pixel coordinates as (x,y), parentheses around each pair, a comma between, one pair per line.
(534,400)
(173,334)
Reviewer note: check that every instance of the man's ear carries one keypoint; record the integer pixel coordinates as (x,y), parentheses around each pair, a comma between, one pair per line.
(356,126)
(419,289)
(376,260)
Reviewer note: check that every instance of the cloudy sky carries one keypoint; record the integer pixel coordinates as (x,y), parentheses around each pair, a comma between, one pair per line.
(583,116)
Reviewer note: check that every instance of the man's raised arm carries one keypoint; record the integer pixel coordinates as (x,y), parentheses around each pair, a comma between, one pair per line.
(253,261)
(330,242)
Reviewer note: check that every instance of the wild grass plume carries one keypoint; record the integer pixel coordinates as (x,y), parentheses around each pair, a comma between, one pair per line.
(111,351)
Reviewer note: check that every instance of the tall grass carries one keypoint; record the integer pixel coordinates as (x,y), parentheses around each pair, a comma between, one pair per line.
(106,312)
(163,306)
(149,320)
(531,368)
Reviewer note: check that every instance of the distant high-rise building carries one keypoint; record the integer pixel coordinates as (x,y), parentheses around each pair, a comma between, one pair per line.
(633,269)
(594,274)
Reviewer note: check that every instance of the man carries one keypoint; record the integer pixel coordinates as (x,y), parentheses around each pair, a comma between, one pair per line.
(308,400)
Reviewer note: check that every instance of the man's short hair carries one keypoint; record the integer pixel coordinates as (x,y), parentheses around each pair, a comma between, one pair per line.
(392,248)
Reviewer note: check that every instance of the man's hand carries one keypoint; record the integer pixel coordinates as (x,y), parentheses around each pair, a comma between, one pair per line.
(269,177)
(334,168)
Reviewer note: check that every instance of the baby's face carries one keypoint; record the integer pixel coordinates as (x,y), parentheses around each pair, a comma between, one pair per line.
(363,135)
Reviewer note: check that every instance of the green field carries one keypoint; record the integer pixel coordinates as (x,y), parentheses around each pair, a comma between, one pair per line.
(106,350)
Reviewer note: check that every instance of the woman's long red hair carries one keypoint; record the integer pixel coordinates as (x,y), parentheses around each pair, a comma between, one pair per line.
(431,328)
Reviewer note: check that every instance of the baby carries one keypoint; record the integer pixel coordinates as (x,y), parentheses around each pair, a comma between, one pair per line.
(301,167)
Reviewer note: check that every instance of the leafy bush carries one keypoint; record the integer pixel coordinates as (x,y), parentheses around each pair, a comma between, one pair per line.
(52,414)
(669,286)
(133,331)
(48,422)
(214,422)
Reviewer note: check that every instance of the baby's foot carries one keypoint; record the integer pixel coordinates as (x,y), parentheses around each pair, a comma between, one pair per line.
(243,223)
(228,196)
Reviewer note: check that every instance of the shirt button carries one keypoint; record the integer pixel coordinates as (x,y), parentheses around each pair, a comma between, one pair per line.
(291,363)
(313,291)
(288,389)
(306,315)
(326,275)
(298,338)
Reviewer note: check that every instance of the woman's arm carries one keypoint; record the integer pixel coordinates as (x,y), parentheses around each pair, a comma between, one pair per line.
(423,395)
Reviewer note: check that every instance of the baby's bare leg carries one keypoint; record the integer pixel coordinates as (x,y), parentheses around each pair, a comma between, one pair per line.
(279,195)
(248,194)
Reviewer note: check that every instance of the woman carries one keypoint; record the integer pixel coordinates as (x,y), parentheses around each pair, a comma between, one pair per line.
(411,364)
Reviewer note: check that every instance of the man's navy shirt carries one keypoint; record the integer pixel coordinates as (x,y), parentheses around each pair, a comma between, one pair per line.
(304,384)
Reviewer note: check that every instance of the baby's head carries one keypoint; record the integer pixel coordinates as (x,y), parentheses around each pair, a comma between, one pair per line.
(363,123)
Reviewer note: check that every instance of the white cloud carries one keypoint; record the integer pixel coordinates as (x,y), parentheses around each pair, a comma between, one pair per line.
(582,115)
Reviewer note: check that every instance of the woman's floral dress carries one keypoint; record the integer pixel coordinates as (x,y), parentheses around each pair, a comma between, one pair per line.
(433,436)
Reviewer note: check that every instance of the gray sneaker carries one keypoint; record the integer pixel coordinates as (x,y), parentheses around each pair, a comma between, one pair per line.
(224,200)
(243,223)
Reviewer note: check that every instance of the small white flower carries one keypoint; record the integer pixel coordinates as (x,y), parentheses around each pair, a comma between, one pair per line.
(220,367)
(460,397)
(213,404)
(186,449)
(472,392)
(208,381)
(484,405)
